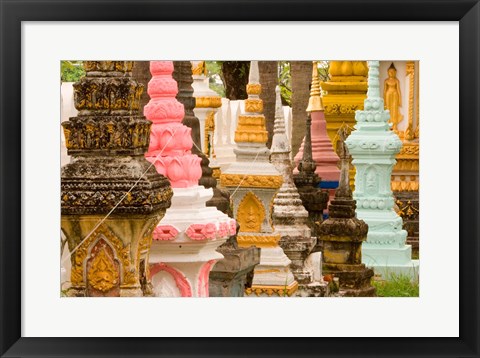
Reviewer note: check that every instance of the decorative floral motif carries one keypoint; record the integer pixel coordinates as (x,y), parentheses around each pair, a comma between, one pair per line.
(165,233)
(223,229)
(201,231)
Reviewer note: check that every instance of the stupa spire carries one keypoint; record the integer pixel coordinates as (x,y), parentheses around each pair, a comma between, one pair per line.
(183,249)
(373,147)
(253,182)
(289,215)
(280,143)
(315,101)
(323,154)
(341,237)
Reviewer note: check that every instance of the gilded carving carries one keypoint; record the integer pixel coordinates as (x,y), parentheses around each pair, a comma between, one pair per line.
(106,94)
(251,137)
(339,109)
(407,210)
(102,275)
(409,132)
(209,129)
(120,66)
(280,291)
(75,200)
(80,257)
(199,68)
(417,106)
(259,241)
(348,68)
(254,88)
(393,97)
(253,105)
(404,185)
(254,181)
(250,213)
(127,135)
(208,102)
(409,150)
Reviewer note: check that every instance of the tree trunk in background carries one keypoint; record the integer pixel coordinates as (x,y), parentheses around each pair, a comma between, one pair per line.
(235,76)
(269,80)
(141,72)
(301,72)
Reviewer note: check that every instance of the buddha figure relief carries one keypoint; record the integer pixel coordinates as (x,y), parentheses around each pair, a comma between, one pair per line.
(102,271)
(393,97)
(250,214)
(371,181)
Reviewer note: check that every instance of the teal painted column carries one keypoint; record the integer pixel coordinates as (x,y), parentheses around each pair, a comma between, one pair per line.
(373,147)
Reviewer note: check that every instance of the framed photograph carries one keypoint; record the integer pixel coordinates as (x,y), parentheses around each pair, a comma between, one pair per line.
(442,36)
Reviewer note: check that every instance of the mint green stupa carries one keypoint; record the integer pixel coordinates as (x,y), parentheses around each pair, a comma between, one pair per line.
(373,147)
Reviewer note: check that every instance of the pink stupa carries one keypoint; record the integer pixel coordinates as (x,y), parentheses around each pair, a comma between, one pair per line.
(322,149)
(183,250)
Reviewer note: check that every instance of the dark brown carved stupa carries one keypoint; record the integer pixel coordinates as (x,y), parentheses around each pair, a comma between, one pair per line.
(111,197)
(307,182)
(230,276)
(182,73)
(342,235)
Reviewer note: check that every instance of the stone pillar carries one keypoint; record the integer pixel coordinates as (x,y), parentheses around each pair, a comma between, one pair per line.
(314,199)
(289,215)
(373,147)
(342,235)
(405,174)
(253,182)
(184,243)
(323,153)
(111,197)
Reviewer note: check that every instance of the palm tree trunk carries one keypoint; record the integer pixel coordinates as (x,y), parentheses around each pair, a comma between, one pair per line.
(301,72)
(269,80)
(235,76)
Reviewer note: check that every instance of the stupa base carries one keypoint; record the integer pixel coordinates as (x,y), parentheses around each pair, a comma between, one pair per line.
(315,289)
(354,280)
(297,250)
(391,261)
(272,291)
(230,275)
(363,292)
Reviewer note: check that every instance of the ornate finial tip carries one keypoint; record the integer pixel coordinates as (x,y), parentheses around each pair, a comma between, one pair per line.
(314,70)
(254,76)
(278,103)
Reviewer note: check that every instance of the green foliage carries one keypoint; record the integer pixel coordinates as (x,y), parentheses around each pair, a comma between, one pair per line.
(285,82)
(215,77)
(323,68)
(71,71)
(217,82)
(285,78)
(397,286)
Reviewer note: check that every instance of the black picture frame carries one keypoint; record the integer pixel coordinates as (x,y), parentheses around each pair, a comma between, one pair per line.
(467,12)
